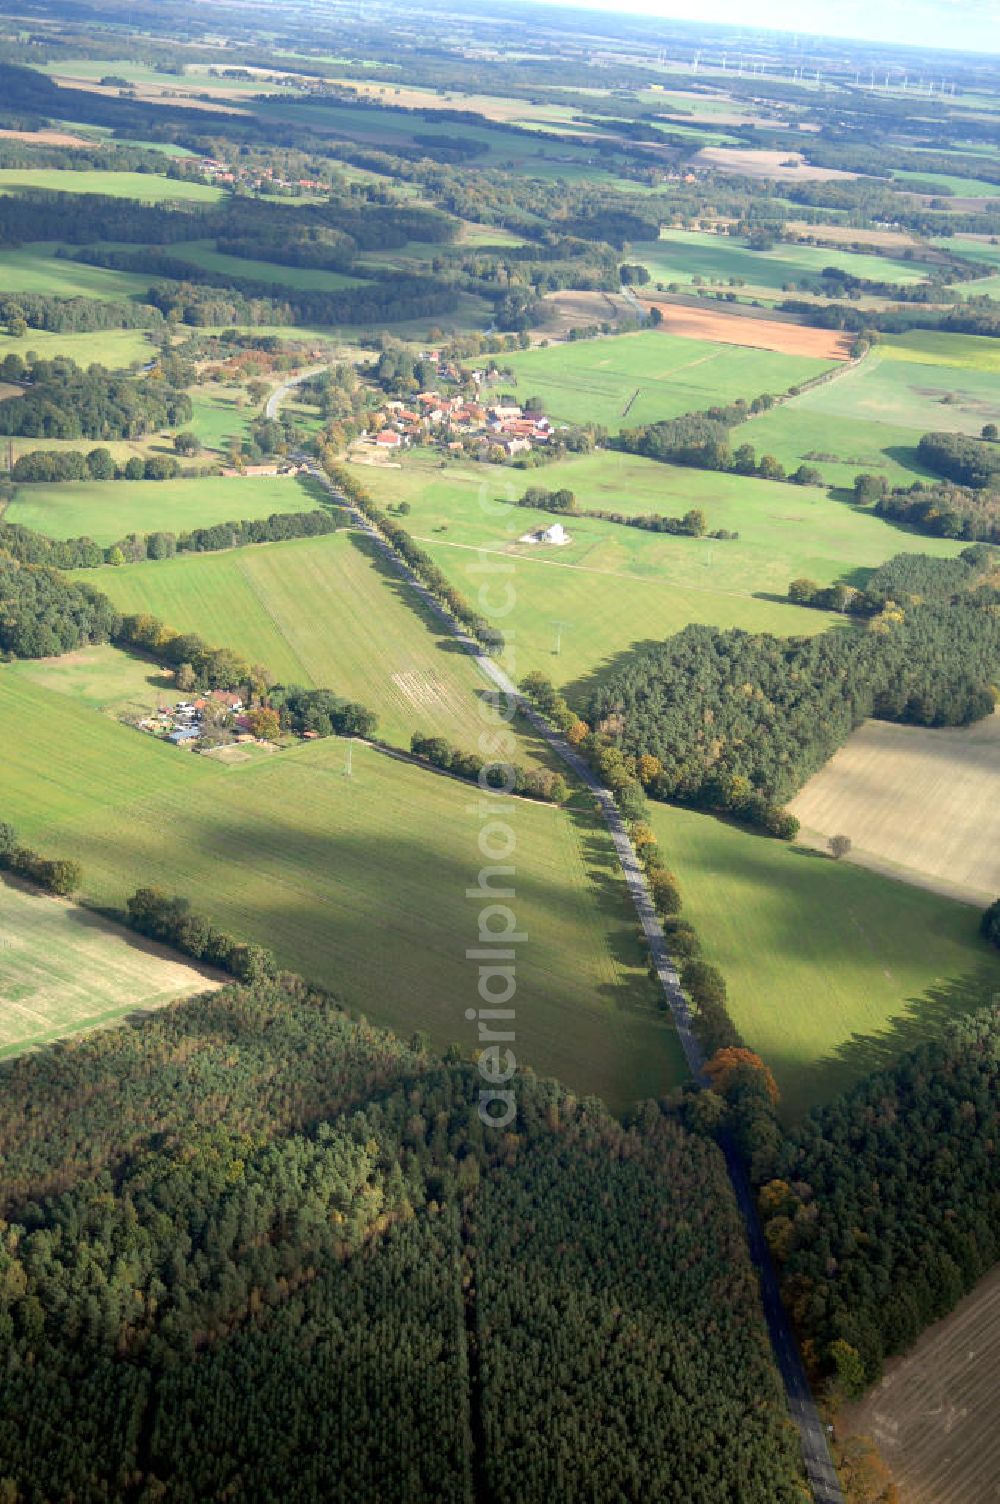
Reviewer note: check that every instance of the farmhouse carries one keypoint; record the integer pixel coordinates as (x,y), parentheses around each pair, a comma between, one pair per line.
(555,534)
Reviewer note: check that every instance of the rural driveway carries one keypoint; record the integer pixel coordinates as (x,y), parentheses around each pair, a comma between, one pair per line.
(279,394)
(819,1467)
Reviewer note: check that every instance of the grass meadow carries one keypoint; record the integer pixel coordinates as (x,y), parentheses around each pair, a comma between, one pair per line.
(36,268)
(108,510)
(63,969)
(872,416)
(629,379)
(323,611)
(832,970)
(358,882)
(115,348)
(612,586)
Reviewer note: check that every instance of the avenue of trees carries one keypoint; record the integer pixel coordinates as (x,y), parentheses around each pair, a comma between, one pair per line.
(246,1204)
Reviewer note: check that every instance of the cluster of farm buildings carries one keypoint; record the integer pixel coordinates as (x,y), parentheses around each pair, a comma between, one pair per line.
(185,723)
(457,423)
(258,177)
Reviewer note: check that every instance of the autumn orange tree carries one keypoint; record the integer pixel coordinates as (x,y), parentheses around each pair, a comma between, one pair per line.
(726,1065)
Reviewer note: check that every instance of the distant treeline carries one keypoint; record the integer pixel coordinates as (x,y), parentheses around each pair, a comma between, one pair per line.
(692,524)
(702,440)
(195,296)
(76,315)
(48,466)
(530,783)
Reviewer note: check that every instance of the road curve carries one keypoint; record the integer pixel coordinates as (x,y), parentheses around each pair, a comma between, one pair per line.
(279,394)
(820,1471)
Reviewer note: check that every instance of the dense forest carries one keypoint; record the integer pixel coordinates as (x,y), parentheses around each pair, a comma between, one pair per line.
(724,715)
(968,462)
(881,1207)
(61,401)
(943,509)
(258,1250)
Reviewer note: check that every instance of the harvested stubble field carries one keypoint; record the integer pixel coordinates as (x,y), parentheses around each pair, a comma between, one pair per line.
(933,1416)
(921,803)
(358,882)
(64,969)
(760,334)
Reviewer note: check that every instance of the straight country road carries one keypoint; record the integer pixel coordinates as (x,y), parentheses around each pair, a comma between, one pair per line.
(820,1471)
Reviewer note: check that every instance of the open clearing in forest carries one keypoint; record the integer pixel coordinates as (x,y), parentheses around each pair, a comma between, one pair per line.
(64,969)
(612,586)
(922,803)
(202,253)
(833,971)
(933,1416)
(108,510)
(761,334)
(357,882)
(328,612)
(36,268)
(652,374)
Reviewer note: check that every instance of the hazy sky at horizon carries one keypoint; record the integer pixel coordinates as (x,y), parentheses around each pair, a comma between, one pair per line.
(970,25)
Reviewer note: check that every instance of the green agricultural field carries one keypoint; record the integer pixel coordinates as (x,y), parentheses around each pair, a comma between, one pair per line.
(36,268)
(102,678)
(832,970)
(63,970)
(359,883)
(114,348)
(613,586)
(145,186)
(108,510)
(202,253)
(322,611)
(682,255)
(629,379)
(872,416)
(960,187)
